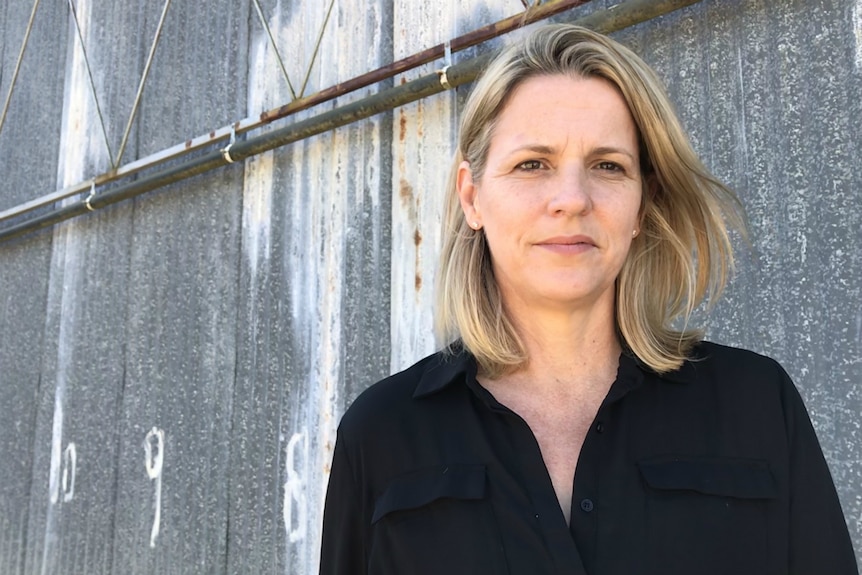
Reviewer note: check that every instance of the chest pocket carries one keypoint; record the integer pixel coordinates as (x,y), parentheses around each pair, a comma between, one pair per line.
(707,514)
(436,520)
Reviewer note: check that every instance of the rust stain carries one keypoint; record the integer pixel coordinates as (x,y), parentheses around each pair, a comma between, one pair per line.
(406,193)
(212,134)
(418,282)
(188,144)
(420,119)
(402,125)
(408,201)
(417,238)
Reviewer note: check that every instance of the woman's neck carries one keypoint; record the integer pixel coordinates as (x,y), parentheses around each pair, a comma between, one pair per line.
(578,346)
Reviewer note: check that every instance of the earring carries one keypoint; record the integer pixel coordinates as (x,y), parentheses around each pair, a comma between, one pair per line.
(475,225)
(634,233)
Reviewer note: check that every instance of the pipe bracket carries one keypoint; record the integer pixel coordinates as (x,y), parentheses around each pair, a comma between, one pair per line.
(90,197)
(447,62)
(444,80)
(225,152)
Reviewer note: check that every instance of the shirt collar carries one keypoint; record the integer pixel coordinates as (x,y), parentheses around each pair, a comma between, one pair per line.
(452,365)
(445,368)
(686,373)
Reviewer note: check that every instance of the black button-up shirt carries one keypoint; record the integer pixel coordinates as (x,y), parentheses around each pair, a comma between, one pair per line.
(714,468)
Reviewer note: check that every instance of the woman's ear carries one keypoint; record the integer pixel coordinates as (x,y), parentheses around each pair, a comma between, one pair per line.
(468,195)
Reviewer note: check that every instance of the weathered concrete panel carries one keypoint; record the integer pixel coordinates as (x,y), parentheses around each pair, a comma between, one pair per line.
(73,476)
(72,496)
(34,115)
(181,310)
(23,289)
(314,311)
(423,143)
(29,135)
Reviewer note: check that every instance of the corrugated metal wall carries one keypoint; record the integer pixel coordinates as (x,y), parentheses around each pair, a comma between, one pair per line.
(236,314)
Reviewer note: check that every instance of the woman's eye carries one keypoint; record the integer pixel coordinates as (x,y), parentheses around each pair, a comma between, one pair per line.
(610,166)
(530,165)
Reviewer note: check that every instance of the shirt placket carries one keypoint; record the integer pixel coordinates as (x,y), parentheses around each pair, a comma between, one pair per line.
(590,484)
(572,546)
(548,515)
(586,492)
(567,556)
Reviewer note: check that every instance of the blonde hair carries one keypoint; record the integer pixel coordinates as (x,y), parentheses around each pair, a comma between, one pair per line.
(682,255)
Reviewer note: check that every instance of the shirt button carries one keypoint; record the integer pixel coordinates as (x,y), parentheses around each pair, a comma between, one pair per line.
(600,427)
(587,505)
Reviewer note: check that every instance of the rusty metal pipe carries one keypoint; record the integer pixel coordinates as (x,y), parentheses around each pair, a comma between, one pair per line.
(533,14)
(610,20)
(473,38)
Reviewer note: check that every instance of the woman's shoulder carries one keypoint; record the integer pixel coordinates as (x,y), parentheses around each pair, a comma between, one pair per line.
(397,397)
(737,374)
(718,360)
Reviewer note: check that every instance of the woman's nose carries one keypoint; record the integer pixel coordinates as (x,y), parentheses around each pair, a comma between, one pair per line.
(570,193)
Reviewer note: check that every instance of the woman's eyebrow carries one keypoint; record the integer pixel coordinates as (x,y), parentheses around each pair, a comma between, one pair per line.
(549,150)
(537,148)
(612,150)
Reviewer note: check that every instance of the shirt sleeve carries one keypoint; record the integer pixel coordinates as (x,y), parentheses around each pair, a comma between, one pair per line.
(342,550)
(819,539)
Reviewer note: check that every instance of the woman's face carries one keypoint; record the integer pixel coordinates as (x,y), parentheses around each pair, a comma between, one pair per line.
(560,197)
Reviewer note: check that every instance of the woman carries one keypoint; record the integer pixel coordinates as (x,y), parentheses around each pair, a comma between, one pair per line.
(571,428)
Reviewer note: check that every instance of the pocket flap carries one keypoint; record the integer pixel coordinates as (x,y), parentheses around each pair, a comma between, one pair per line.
(422,487)
(740,478)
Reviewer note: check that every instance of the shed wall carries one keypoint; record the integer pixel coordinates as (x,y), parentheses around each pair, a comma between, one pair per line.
(224,323)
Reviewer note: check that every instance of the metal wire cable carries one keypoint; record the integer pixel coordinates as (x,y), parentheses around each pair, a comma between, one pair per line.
(316,48)
(18,64)
(275,49)
(92,82)
(143,81)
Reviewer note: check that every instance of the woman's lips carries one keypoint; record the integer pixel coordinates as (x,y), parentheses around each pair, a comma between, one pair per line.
(567,244)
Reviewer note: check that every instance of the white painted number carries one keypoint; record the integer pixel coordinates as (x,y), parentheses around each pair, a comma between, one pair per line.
(295,505)
(153,461)
(70,461)
(61,483)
